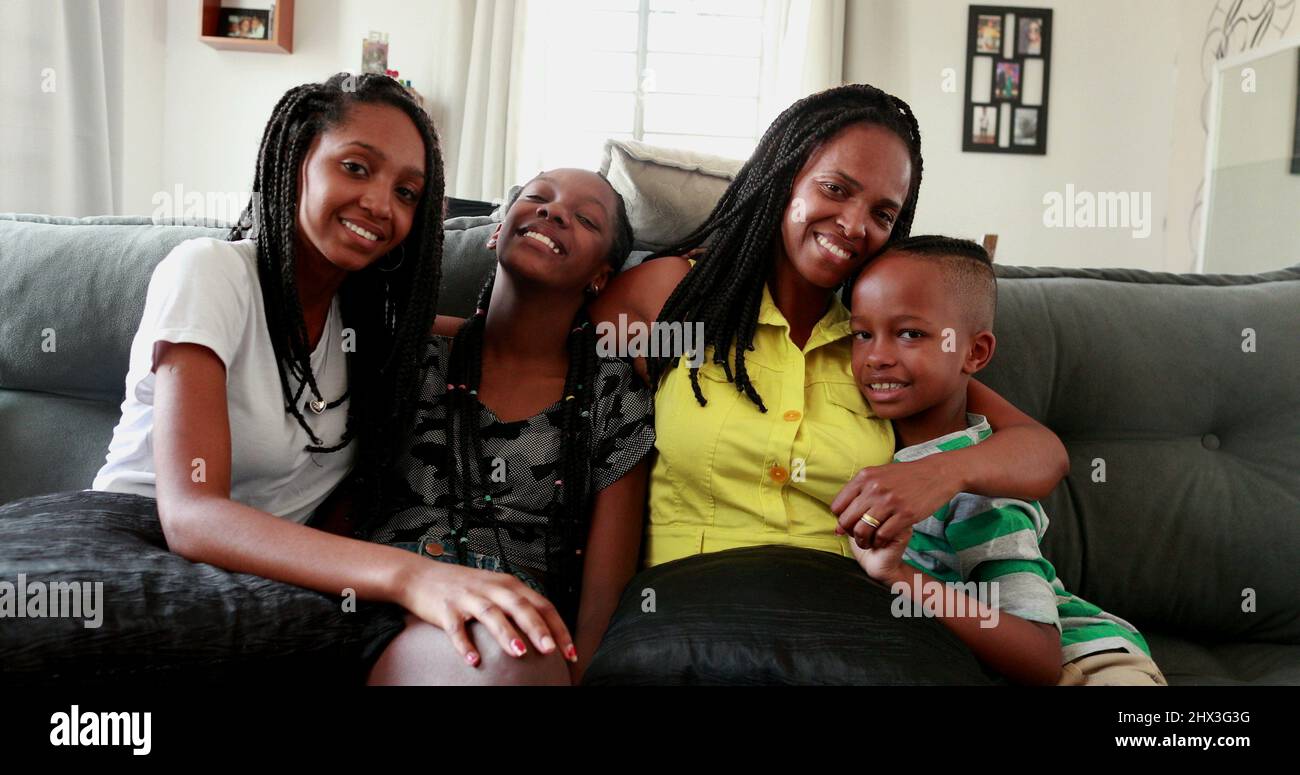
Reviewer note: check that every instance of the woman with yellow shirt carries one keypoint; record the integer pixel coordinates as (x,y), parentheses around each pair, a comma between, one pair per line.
(769,438)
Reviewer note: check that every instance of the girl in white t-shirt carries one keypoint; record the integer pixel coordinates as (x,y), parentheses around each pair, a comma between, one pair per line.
(267,367)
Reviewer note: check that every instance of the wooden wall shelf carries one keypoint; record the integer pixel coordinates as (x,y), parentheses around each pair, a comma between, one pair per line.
(280,42)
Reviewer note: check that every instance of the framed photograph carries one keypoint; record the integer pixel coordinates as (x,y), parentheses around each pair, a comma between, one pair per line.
(1006,81)
(985,125)
(990,35)
(374,53)
(1025,131)
(1008,75)
(1031,37)
(244,23)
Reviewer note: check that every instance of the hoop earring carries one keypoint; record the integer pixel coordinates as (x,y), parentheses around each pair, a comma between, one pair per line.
(400,260)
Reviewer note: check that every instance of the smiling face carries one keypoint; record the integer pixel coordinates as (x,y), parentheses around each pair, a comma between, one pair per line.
(902,305)
(359,186)
(559,231)
(844,203)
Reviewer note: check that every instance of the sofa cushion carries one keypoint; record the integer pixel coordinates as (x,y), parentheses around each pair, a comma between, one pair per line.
(159,618)
(1187,663)
(74,291)
(1181,512)
(51,443)
(668,192)
(466,263)
(772,615)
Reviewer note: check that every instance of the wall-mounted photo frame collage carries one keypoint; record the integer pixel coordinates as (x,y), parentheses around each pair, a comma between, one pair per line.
(1008,69)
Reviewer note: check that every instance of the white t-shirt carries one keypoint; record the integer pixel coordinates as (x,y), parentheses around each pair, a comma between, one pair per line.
(207,292)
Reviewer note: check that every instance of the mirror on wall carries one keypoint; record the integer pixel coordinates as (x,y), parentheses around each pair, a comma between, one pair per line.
(1252,210)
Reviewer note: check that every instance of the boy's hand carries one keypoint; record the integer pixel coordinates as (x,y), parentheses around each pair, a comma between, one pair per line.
(897,495)
(884,564)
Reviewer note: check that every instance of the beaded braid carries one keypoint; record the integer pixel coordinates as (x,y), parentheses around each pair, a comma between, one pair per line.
(389,311)
(725,294)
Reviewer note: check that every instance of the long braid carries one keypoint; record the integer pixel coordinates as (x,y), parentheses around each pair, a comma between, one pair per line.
(388,311)
(464,375)
(575,456)
(725,294)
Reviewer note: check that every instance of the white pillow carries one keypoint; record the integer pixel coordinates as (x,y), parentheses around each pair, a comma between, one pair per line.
(668,191)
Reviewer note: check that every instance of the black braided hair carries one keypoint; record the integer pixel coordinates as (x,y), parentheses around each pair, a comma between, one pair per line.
(390,312)
(570,506)
(725,294)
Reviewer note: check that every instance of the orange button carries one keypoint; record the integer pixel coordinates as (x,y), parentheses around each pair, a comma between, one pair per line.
(433,549)
(792,415)
(778,474)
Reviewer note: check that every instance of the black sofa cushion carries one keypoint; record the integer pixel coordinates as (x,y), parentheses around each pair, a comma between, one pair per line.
(162,618)
(772,615)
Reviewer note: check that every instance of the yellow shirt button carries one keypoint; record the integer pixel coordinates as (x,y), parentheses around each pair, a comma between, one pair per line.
(778,474)
(793,415)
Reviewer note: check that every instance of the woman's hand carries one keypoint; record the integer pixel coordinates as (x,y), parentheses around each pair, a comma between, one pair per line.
(448,596)
(897,495)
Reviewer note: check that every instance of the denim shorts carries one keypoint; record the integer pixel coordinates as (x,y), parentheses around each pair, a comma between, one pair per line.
(446,551)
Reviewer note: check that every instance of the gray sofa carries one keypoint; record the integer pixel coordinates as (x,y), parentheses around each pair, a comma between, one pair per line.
(1181,512)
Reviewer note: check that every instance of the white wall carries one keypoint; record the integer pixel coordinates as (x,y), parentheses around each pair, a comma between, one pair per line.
(1110,121)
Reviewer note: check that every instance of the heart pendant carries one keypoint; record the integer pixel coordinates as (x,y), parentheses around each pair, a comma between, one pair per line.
(317,406)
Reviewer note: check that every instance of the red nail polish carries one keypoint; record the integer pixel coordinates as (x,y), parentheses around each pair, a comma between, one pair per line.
(571,653)
(518,646)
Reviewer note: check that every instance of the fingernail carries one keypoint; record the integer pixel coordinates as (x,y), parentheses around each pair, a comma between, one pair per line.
(571,653)
(472,659)
(548,645)
(518,646)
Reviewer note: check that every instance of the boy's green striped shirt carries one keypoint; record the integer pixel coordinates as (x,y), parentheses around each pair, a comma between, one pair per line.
(976,538)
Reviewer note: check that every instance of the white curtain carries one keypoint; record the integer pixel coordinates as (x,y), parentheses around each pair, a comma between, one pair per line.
(56,62)
(475,95)
(490,80)
(803,52)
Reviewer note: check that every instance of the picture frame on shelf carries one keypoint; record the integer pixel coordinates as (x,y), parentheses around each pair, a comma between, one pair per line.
(247,23)
(374,53)
(266,30)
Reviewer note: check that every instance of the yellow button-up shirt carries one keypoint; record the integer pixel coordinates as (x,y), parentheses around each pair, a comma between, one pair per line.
(727,475)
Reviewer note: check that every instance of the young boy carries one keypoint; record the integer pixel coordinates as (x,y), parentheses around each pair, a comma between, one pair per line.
(922,325)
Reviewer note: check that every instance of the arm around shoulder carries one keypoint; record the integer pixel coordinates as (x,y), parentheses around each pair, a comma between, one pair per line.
(638,295)
(1022,459)
(640,292)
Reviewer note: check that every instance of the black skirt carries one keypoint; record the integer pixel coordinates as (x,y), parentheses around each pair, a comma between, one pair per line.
(90,594)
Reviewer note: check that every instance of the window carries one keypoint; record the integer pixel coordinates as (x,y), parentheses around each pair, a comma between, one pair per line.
(673,73)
